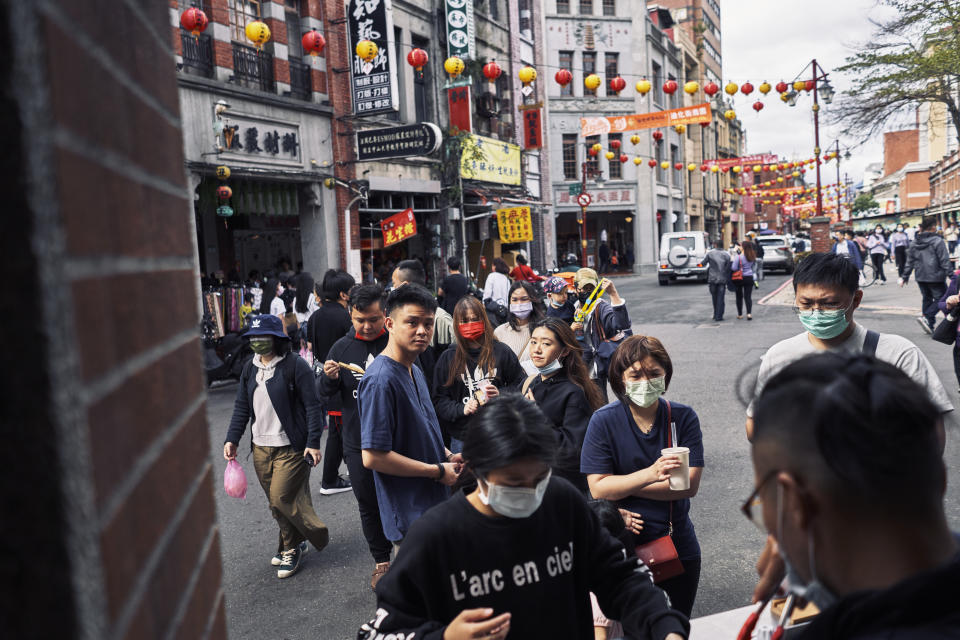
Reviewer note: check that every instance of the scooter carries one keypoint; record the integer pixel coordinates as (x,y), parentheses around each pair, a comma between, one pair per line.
(224,358)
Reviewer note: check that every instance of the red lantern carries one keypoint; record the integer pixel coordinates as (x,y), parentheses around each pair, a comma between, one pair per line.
(757,106)
(614,144)
(224,192)
(704,168)
(194,20)
(652,163)
(623,158)
(782,87)
(314,43)
(563,77)
(617,85)
(746,88)
(678,166)
(725,169)
(593,151)
(492,71)
(710,88)
(808,86)
(669,87)
(417,58)
(657,135)
(704,124)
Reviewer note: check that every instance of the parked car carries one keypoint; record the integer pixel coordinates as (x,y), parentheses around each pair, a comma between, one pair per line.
(683,255)
(777,253)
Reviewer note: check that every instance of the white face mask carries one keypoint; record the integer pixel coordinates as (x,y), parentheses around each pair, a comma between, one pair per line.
(551,367)
(813,591)
(514,502)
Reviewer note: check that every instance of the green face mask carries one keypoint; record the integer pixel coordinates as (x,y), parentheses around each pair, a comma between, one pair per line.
(261,346)
(825,324)
(645,392)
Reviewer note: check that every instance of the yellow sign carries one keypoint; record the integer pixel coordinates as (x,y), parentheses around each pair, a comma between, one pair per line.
(514,224)
(490,160)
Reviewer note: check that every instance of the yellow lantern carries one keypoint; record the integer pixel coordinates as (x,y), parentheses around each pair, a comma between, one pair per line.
(731,88)
(729,114)
(258,33)
(635,139)
(680,128)
(714,169)
(223,172)
(643,87)
(527,75)
(757,168)
(779,179)
(637,160)
(764,88)
(799,85)
(597,147)
(691,87)
(664,165)
(591,82)
(453,66)
(609,155)
(784,97)
(736,169)
(795,174)
(367,50)
(691,167)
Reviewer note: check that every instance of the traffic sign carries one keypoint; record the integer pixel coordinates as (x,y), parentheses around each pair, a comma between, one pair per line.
(576,188)
(584,199)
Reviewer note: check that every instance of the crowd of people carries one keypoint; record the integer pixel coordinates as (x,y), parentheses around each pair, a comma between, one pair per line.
(493,476)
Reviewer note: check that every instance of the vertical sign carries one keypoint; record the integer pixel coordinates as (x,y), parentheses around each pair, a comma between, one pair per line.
(532,132)
(458,101)
(514,225)
(374,83)
(461,41)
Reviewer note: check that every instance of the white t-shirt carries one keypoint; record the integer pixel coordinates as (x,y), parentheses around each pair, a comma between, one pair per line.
(842,248)
(891,348)
(277,308)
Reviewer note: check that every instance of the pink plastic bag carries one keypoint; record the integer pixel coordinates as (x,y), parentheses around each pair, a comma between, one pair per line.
(235,480)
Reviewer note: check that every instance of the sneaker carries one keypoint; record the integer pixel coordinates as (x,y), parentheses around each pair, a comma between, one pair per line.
(342,485)
(277,559)
(289,562)
(378,572)
(923,323)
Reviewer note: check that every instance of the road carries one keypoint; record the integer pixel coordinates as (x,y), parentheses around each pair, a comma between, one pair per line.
(330,596)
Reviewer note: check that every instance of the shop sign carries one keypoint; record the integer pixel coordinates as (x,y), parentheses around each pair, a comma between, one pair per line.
(374,83)
(760,158)
(458,101)
(490,160)
(398,227)
(575,189)
(609,198)
(532,131)
(224,211)
(461,40)
(514,224)
(419,139)
(260,140)
(672,117)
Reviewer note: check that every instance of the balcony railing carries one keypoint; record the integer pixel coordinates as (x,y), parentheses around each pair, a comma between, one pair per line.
(300,84)
(253,68)
(197,53)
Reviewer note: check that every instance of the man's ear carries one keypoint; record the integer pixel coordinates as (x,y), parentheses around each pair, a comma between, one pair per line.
(799,504)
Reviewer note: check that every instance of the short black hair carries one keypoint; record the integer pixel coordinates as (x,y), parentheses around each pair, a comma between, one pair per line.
(851,422)
(828,269)
(609,516)
(365,296)
(410,293)
(507,428)
(248,298)
(521,259)
(453,263)
(928,223)
(335,282)
(412,271)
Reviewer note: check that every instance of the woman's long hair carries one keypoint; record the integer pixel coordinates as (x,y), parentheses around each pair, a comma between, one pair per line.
(486,360)
(500,266)
(749,251)
(538,312)
(573,362)
(269,293)
(304,291)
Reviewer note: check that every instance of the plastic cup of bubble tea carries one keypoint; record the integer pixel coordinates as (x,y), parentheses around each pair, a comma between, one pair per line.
(679,478)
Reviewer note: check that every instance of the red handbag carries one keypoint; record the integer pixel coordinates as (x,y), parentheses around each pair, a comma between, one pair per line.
(660,555)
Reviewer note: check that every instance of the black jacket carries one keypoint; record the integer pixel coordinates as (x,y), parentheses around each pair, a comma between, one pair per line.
(612,320)
(564,312)
(328,324)
(449,401)
(565,404)
(295,401)
(928,256)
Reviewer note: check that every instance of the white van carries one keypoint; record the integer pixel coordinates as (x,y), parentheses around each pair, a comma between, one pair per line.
(683,254)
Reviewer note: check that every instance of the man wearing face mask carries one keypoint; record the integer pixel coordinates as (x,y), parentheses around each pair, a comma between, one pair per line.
(604,329)
(872,551)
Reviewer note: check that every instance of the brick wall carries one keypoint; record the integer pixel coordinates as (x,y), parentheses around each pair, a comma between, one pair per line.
(915,190)
(115,532)
(899,148)
(820,234)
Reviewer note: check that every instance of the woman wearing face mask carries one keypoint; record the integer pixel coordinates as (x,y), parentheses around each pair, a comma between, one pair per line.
(563,390)
(525,311)
(623,462)
(745,261)
(559,303)
(486,563)
(472,370)
(899,241)
(878,247)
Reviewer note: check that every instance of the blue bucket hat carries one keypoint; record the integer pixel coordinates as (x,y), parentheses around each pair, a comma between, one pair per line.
(266,325)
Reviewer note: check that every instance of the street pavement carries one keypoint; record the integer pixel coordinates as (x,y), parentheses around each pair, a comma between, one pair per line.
(714,367)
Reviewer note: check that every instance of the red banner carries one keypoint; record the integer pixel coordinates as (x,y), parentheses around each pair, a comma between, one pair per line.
(458,100)
(398,227)
(532,131)
(685,115)
(760,158)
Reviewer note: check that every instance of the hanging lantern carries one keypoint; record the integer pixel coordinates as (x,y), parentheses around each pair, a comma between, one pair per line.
(609,155)
(669,87)
(313,43)
(563,77)
(680,128)
(614,144)
(635,139)
(691,87)
(224,192)
(808,85)
(617,85)
(593,152)
(259,33)
(710,88)
(417,58)
(795,174)
(643,86)
(784,97)
(492,71)
(691,167)
(453,66)
(678,166)
(638,161)
(194,20)
(367,50)
(704,168)
(591,82)
(664,165)
(764,87)
(729,114)
(714,169)
(651,163)
(704,124)
(758,106)
(223,172)
(725,169)
(623,158)
(657,135)
(527,75)
(799,85)
(597,147)
(757,168)
(782,87)
(731,88)
(737,169)
(746,88)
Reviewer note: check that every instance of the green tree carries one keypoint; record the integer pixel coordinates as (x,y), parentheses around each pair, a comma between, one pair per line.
(864,202)
(913,58)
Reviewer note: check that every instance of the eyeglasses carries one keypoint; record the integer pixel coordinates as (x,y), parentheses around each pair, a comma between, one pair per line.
(752,506)
(797,309)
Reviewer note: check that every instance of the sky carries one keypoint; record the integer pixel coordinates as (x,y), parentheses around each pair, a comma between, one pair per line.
(774,40)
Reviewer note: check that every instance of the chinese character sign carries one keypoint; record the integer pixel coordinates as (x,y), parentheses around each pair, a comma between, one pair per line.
(398,227)
(532,133)
(514,224)
(374,83)
(458,100)
(490,160)
(685,115)
(461,40)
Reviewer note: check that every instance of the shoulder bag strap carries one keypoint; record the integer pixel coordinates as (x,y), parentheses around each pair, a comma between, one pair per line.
(870,343)
(527,383)
(670,444)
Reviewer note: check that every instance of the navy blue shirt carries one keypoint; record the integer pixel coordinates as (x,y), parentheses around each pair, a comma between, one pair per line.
(615,445)
(396,414)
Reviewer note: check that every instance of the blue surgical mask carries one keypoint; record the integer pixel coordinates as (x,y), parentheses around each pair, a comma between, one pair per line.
(813,591)
(825,324)
(550,368)
(514,502)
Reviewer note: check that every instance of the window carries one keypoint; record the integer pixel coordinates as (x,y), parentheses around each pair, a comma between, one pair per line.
(401,86)
(566,62)
(526,28)
(506,106)
(657,85)
(610,69)
(674,159)
(563,6)
(242,12)
(615,166)
(586,7)
(592,161)
(421,84)
(589,66)
(715,6)
(294,34)
(711,26)
(609,7)
(494,9)
(570,156)
(658,156)
(709,48)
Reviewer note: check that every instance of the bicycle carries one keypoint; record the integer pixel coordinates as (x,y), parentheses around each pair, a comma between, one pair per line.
(868,275)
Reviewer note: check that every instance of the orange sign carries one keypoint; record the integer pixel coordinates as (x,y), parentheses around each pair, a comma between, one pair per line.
(615,124)
(398,227)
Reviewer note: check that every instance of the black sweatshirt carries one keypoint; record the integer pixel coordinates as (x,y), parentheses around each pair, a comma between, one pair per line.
(449,401)
(566,406)
(541,569)
(328,324)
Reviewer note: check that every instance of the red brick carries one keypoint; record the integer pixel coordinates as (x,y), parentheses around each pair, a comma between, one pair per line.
(223,54)
(177,42)
(278,30)
(219,12)
(281,70)
(205,595)
(312,8)
(132,534)
(150,399)
(120,316)
(319,80)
